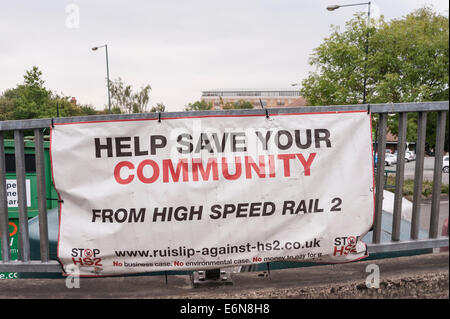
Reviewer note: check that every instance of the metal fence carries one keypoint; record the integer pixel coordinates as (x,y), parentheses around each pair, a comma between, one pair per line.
(380,113)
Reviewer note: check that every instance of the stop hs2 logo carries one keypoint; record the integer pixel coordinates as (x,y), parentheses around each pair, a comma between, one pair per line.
(86,257)
(345,245)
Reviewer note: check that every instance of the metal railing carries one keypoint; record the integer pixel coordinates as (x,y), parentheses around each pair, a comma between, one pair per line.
(25,264)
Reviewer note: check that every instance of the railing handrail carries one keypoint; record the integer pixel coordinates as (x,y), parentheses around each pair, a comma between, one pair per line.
(373,108)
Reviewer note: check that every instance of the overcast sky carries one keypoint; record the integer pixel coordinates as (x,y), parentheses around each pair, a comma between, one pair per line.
(178,47)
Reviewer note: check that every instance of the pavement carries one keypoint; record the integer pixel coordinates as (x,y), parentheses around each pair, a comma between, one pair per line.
(425,204)
(425,210)
(421,276)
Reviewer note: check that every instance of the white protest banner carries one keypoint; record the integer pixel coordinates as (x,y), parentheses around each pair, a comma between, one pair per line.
(212,191)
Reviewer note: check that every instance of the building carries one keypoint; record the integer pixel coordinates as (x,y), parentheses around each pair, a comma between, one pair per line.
(269,98)
(392,143)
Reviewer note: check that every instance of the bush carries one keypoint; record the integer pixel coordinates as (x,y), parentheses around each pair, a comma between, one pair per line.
(408,187)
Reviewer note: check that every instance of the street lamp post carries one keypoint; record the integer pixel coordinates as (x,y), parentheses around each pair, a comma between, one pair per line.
(334,7)
(107,72)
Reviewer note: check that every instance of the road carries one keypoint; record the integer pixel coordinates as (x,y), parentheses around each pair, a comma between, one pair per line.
(428,169)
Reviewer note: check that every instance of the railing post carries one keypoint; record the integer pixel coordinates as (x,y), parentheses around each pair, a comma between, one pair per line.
(24,242)
(42,200)
(418,174)
(399,176)
(381,152)
(4,227)
(437,174)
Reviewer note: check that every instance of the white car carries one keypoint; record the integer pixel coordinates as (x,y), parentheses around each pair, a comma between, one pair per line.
(390,159)
(410,156)
(445,167)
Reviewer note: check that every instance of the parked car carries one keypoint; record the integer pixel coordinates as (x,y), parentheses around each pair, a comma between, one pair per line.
(445,167)
(390,159)
(410,156)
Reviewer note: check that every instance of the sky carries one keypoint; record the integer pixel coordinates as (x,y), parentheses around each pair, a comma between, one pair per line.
(179,48)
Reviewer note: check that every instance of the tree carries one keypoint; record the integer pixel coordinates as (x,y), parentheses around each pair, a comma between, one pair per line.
(159,107)
(199,106)
(339,62)
(31,100)
(408,61)
(32,78)
(243,105)
(124,99)
(238,105)
(6,109)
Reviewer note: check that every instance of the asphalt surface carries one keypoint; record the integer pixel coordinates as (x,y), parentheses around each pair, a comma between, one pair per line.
(422,276)
(428,170)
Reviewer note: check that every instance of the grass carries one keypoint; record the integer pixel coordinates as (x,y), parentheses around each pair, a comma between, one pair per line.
(408,187)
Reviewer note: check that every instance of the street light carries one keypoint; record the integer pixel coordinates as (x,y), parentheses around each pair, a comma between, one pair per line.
(107,72)
(334,7)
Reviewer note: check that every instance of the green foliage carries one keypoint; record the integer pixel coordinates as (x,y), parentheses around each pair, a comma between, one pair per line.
(32,78)
(88,110)
(239,105)
(339,61)
(6,108)
(198,106)
(159,107)
(413,57)
(408,187)
(32,100)
(407,61)
(124,99)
